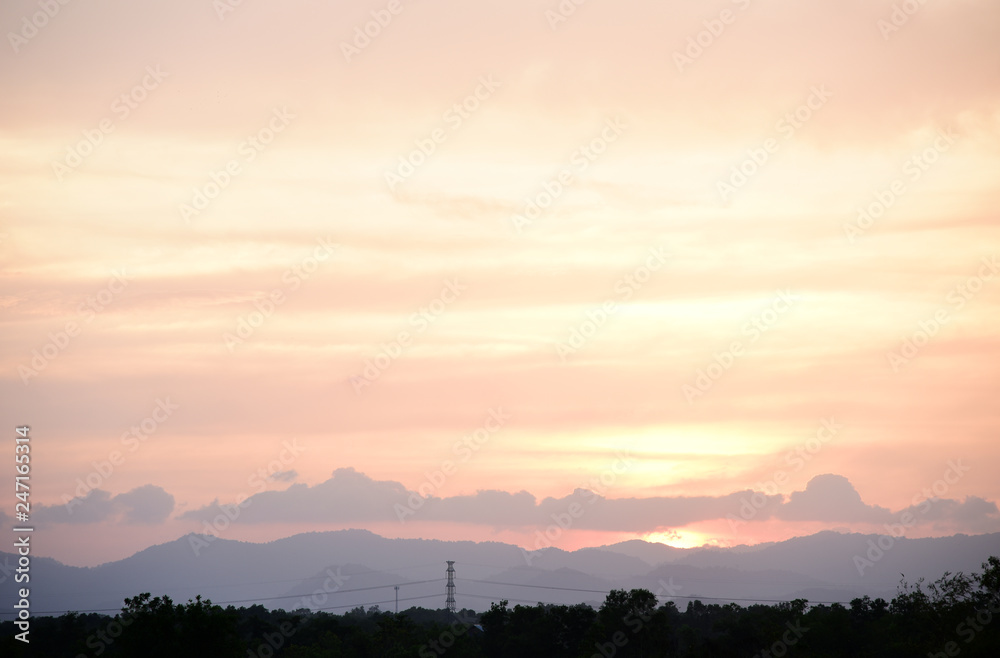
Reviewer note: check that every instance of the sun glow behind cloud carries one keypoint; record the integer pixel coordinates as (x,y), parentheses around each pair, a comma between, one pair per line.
(678,538)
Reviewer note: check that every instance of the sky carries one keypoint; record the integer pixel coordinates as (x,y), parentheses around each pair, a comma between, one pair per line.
(546,273)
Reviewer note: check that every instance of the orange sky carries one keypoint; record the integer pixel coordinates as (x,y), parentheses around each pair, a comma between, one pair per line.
(687,233)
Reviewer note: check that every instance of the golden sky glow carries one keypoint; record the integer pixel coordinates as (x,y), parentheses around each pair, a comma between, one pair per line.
(675,264)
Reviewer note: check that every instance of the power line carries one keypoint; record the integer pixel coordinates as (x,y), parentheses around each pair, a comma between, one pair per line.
(257,600)
(411,598)
(567,589)
(336,591)
(258,582)
(431,580)
(671,596)
(478,596)
(506,598)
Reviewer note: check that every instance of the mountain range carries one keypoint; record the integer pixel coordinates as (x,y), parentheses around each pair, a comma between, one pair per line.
(341,570)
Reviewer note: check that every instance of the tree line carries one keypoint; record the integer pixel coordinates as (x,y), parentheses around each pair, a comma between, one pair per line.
(956,615)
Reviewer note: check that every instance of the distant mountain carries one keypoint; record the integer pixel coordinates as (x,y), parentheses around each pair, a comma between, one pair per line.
(607,564)
(345,569)
(837,557)
(651,553)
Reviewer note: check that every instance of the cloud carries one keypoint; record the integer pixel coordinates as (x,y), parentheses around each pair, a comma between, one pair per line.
(145,504)
(148,504)
(832,498)
(350,497)
(347,497)
(947,515)
(94,507)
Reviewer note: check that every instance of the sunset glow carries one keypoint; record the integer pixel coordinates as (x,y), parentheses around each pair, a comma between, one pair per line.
(489,267)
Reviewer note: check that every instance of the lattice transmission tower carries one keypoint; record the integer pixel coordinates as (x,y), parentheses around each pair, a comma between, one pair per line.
(450,601)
